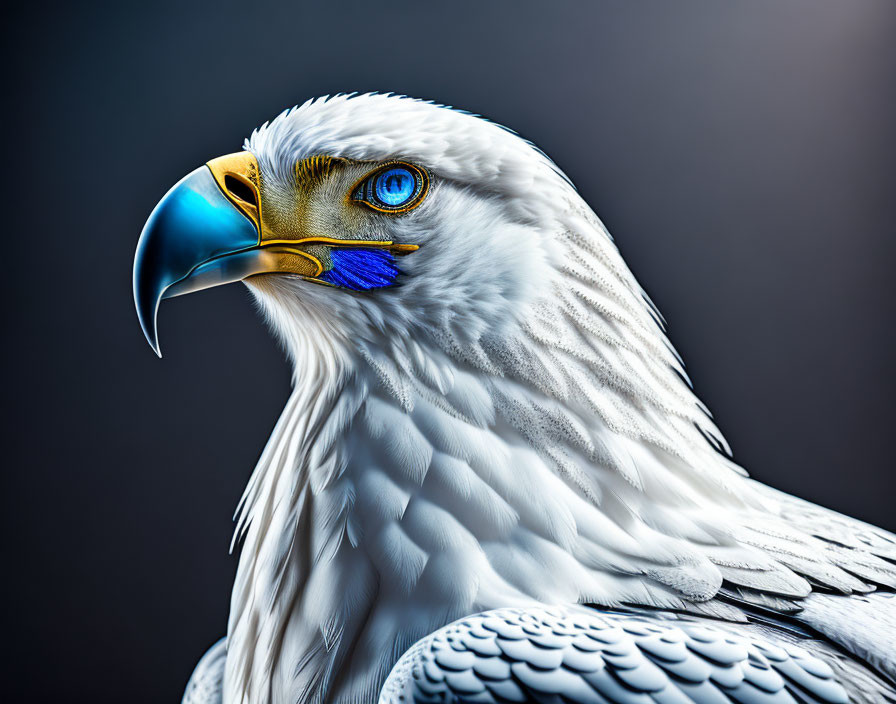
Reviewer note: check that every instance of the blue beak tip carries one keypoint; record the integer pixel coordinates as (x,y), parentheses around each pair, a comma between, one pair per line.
(147,306)
(192,224)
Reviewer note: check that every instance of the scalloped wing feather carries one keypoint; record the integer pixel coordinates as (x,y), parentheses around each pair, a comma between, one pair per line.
(581,656)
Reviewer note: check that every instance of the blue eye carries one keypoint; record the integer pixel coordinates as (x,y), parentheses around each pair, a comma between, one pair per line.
(395,189)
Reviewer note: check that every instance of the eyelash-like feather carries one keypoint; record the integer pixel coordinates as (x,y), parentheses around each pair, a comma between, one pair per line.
(314,169)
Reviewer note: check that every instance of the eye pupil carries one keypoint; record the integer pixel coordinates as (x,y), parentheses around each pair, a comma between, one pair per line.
(395,187)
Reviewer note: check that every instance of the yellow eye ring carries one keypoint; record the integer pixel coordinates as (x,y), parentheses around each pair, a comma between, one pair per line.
(395,187)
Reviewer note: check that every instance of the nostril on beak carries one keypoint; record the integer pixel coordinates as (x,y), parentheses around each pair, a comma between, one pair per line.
(240,190)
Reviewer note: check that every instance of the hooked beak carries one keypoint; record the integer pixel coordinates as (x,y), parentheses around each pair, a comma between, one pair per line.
(190,241)
(209,230)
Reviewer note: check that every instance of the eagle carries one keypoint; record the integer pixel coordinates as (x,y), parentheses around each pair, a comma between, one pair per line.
(492,481)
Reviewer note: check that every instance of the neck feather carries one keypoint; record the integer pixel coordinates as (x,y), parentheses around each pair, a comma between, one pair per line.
(410,482)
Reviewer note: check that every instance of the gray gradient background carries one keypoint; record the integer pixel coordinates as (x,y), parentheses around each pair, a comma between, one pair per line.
(742,153)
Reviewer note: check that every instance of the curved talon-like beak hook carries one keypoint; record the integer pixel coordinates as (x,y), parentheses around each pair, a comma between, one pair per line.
(209,230)
(195,238)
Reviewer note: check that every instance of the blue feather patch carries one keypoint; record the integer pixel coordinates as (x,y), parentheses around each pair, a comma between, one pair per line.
(361,269)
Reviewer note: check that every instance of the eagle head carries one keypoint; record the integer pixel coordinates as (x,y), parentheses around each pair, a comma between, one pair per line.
(364,215)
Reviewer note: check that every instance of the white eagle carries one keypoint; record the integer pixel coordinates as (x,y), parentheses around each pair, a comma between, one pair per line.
(492,481)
